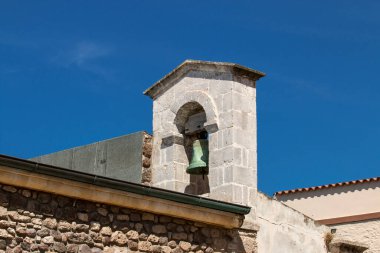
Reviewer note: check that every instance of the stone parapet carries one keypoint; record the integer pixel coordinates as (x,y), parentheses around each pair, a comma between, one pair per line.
(35,221)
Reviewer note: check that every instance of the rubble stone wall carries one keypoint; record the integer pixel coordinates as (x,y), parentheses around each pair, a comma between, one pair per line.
(146,160)
(32,221)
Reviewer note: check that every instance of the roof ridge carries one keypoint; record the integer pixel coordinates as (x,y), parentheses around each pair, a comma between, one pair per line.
(333,185)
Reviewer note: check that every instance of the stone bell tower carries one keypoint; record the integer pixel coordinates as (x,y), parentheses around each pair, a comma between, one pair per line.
(215,102)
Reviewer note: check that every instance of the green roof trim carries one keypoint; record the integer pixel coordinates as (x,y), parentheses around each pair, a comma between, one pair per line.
(122,185)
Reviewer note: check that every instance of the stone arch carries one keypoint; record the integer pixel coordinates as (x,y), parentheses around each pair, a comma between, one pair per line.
(205,101)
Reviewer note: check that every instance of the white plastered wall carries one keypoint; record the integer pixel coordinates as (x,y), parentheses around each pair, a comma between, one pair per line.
(337,202)
(285,230)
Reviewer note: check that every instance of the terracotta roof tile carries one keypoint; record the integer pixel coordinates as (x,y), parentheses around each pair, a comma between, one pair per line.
(314,188)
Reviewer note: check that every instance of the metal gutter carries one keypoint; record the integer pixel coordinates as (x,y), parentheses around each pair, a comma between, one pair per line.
(184,198)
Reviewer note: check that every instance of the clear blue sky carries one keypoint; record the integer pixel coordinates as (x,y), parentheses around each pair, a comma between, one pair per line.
(73,72)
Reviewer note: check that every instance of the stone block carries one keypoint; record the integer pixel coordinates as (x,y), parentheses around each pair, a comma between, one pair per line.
(227,102)
(238,156)
(228,154)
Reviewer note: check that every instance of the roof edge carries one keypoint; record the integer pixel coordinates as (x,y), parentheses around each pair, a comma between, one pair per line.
(188,65)
(320,187)
(150,191)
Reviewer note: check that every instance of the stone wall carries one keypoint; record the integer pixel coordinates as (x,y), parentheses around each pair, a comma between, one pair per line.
(367,232)
(283,229)
(229,101)
(32,221)
(146,177)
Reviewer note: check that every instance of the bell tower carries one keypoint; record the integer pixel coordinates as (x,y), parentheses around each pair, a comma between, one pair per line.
(204,131)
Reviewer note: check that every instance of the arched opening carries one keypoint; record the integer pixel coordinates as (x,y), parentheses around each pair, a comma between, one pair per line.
(190,121)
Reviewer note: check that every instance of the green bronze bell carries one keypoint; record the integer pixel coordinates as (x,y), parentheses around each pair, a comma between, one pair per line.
(199,159)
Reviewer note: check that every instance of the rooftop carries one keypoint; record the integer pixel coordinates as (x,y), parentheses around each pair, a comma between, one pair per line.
(315,188)
(189,65)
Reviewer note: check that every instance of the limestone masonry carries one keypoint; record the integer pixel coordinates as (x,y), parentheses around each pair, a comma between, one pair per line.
(32,221)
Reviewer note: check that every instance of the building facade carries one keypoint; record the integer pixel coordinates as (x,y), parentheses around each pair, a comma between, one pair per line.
(351,209)
(191,187)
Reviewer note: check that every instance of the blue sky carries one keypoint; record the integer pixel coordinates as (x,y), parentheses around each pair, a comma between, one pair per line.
(73,72)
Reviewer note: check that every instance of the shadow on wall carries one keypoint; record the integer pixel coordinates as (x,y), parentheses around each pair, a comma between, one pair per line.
(199,184)
(190,120)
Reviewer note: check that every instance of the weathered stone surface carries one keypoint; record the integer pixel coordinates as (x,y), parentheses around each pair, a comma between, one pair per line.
(106,231)
(11,231)
(79,227)
(43,247)
(172,244)
(3,244)
(122,217)
(48,240)
(64,226)
(132,245)
(144,246)
(147,149)
(4,224)
(205,232)
(163,240)
(18,217)
(166,249)
(119,238)
(43,232)
(31,232)
(96,250)
(59,247)
(82,216)
(21,231)
(179,236)
(209,250)
(95,226)
(3,213)
(50,223)
(214,232)
(133,235)
(153,239)
(135,217)
(185,246)
(177,250)
(57,235)
(143,237)
(4,234)
(26,193)
(139,227)
(37,221)
(44,197)
(155,249)
(83,248)
(159,229)
(72,248)
(165,219)
(102,211)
